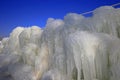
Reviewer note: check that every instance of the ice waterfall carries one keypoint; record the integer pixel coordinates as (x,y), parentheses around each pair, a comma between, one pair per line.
(76,48)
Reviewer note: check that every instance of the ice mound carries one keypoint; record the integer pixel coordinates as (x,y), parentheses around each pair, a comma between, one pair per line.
(76,48)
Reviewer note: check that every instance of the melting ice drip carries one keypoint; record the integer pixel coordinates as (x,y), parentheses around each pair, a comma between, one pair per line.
(76,48)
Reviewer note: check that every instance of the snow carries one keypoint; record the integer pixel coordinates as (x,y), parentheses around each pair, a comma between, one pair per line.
(76,48)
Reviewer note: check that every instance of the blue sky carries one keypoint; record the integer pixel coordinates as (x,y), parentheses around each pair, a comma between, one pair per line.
(26,13)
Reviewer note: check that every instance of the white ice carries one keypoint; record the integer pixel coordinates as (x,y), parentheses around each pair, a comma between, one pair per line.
(75,48)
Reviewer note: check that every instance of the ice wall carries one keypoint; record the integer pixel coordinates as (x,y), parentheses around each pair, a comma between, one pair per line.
(76,48)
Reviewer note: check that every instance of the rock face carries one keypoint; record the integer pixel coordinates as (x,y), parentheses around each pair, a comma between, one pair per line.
(76,48)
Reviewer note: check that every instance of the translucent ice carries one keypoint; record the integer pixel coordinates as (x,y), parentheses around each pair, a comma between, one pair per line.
(76,48)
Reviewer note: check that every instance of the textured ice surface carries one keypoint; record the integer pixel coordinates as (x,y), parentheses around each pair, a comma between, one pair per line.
(76,48)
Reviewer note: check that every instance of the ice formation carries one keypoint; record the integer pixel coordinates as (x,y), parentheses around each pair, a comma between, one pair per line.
(76,48)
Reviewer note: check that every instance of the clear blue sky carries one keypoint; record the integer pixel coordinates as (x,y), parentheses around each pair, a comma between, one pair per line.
(35,12)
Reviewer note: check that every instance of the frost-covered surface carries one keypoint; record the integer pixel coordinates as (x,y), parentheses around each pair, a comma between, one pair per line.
(76,48)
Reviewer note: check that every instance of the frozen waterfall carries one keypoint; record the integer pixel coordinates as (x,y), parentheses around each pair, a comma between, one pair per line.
(76,48)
